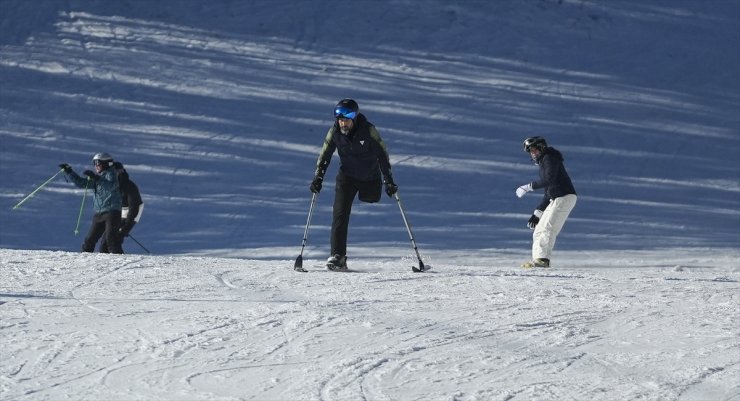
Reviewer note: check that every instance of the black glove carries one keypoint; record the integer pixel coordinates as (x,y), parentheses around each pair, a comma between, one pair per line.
(66,167)
(316,184)
(126,227)
(390,186)
(532,223)
(90,175)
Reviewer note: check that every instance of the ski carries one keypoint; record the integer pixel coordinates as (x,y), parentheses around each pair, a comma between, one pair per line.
(328,270)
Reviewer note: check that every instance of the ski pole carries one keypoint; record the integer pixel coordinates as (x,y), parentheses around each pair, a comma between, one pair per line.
(77,229)
(142,246)
(421,267)
(36,190)
(299,260)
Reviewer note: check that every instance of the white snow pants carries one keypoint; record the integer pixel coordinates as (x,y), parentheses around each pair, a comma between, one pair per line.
(551,222)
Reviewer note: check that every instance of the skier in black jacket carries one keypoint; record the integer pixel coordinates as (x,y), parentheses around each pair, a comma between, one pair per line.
(132,205)
(363,158)
(560,197)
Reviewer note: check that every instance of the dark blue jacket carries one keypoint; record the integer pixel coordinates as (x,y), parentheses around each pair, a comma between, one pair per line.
(362,153)
(553,177)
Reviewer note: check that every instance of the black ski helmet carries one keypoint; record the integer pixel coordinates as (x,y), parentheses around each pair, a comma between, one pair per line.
(536,142)
(103,158)
(346,108)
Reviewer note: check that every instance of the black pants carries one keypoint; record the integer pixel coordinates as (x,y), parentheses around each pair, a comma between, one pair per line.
(104,225)
(346,189)
(104,243)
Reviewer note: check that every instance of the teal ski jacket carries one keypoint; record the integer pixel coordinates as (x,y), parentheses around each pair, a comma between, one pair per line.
(107,195)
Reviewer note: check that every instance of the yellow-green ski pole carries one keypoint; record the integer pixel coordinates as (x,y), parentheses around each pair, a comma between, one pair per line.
(77,229)
(36,190)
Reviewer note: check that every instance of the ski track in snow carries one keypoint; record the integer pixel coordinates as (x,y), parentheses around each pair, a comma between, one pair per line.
(208,328)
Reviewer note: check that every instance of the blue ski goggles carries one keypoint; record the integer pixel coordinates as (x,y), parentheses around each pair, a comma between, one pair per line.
(344,112)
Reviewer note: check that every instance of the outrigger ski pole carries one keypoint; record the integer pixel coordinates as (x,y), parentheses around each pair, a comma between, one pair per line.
(421,267)
(299,260)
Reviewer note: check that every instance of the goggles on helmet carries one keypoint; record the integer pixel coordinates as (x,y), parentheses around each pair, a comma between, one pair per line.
(537,142)
(344,112)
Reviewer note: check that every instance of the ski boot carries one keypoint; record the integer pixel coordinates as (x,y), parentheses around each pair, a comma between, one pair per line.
(337,263)
(539,262)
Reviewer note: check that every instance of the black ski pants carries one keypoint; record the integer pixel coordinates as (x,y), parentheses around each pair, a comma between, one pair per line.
(346,190)
(104,225)
(104,243)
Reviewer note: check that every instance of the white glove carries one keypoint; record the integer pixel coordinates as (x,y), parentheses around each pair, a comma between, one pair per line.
(523,190)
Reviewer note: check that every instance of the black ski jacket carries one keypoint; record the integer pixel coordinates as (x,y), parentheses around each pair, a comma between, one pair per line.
(362,153)
(553,177)
(131,198)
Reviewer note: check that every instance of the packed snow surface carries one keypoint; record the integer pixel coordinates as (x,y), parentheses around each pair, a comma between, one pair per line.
(473,328)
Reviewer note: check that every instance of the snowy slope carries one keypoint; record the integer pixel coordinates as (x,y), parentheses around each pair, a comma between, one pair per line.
(218,110)
(101,327)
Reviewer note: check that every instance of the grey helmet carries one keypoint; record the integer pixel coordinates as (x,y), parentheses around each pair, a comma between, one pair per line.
(103,158)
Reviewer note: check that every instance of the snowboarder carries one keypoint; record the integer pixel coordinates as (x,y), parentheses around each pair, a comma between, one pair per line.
(106,201)
(560,197)
(363,157)
(132,205)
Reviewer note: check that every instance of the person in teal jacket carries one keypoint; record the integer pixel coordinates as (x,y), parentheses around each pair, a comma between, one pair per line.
(106,202)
